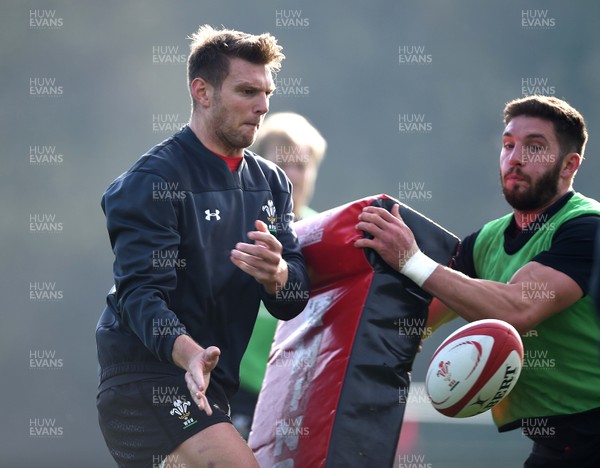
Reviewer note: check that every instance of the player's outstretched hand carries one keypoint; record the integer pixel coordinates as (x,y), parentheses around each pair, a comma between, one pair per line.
(197,376)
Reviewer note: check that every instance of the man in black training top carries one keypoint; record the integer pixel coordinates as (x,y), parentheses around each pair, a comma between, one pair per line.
(201,232)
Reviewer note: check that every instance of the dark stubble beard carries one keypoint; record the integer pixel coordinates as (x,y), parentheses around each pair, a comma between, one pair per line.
(229,138)
(537,195)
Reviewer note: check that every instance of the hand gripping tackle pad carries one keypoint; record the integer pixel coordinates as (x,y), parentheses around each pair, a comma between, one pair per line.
(338,374)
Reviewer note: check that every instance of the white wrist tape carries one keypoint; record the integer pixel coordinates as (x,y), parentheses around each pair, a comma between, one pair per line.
(419,267)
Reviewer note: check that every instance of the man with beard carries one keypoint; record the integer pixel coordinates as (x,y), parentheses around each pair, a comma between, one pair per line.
(530,268)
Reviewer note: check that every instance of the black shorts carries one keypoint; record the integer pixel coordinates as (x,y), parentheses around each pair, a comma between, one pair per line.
(584,455)
(144,421)
(564,441)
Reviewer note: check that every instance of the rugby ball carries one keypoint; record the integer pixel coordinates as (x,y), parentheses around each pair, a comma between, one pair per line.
(474,368)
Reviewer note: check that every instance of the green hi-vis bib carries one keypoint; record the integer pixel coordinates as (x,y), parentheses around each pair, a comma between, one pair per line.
(561,368)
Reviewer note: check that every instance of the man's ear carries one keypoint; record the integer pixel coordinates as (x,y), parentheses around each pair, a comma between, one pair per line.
(201,91)
(571,164)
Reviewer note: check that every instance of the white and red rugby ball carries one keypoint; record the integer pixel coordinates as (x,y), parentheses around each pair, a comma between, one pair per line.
(474,368)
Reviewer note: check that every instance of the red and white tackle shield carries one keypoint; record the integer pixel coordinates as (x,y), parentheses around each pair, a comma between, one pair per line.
(338,374)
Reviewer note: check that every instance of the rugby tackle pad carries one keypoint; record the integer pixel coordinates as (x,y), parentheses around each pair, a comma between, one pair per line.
(338,374)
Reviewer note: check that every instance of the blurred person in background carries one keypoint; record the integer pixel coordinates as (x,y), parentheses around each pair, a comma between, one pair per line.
(295,145)
(290,141)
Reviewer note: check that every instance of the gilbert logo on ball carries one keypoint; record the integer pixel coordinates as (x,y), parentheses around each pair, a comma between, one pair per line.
(474,368)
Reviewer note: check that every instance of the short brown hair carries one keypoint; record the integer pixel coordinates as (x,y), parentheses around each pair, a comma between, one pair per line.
(569,124)
(211,49)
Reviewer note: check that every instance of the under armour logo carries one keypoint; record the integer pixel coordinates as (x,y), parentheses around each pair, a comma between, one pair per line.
(210,215)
